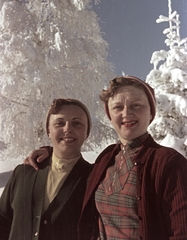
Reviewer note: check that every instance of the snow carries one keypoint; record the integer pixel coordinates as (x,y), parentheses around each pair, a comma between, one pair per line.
(171,141)
(48,50)
(169,80)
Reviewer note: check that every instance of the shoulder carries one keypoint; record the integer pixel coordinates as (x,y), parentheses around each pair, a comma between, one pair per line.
(171,157)
(23,170)
(85,164)
(165,156)
(22,167)
(108,152)
(163,152)
(22,174)
(160,150)
(158,156)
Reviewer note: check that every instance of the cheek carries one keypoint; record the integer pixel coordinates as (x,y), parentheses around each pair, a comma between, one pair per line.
(115,117)
(147,118)
(148,115)
(116,122)
(151,117)
(53,132)
(85,135)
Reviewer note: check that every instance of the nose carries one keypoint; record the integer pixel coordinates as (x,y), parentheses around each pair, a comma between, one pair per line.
(126,111)
(67,127)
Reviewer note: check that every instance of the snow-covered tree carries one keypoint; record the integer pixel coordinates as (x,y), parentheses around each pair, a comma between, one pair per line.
(169,79)
(48,49)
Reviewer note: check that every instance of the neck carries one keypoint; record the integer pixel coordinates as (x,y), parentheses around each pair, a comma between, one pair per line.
(67,157)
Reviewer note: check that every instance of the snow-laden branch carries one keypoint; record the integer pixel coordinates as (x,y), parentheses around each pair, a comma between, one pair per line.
(169,79)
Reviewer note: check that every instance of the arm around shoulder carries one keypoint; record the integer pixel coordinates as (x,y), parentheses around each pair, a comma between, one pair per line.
(38,156)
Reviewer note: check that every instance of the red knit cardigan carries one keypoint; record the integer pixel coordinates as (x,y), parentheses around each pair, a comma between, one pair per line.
(161,193)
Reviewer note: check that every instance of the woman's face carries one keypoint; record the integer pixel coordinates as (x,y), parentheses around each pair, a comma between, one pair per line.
(68,131)
(130,113)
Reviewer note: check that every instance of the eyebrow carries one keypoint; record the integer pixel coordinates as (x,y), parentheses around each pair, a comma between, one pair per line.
(75,118)
(116,102)
(133,100)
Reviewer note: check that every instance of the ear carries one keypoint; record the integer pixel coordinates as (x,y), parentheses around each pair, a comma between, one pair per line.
(86,137)
(49,135)
(151,117)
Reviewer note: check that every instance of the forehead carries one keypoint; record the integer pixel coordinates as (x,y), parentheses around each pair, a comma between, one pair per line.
(71,111)
(130,92)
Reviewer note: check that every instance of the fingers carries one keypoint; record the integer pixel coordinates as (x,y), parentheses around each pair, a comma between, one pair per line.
(26,161)
(42,157)
(42,154)
(36,156)
(31,162)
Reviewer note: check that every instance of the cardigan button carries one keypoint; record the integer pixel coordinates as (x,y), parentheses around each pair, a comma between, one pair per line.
(135,164)
(36,234)
(140,179)
(138,198)
(45,222)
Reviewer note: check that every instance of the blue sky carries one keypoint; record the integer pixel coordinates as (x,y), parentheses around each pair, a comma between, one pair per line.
(130,28)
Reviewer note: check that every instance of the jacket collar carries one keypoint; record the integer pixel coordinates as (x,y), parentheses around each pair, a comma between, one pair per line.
(107,158)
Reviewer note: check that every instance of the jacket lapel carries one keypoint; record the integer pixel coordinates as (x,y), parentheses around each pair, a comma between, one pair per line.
(67,189)
(39,191)
(103,160)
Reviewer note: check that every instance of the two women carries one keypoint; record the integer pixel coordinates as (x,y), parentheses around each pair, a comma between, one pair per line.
(137,188)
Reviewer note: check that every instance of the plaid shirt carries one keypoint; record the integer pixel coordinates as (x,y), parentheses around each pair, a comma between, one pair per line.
(116,196)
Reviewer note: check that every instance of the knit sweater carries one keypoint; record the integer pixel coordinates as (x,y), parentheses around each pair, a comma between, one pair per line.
(161,188)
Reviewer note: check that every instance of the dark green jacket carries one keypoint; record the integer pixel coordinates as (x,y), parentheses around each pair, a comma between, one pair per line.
(22,199)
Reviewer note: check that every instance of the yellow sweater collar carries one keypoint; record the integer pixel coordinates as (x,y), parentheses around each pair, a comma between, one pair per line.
(63,165)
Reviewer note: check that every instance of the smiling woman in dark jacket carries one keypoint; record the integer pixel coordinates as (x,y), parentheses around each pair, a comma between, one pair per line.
(46,204)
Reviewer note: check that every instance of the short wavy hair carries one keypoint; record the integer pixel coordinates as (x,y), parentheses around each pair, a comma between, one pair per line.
(119,82)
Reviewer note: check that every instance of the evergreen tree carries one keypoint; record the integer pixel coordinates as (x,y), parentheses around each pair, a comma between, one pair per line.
(169,79)
(48,49)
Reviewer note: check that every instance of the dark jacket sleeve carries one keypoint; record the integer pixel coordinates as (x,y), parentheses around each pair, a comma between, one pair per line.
(15,204)
(175,196)
(6,212)
(163,190)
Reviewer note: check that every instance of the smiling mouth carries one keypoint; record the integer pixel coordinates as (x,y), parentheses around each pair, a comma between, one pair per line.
(67,139)
(129,124)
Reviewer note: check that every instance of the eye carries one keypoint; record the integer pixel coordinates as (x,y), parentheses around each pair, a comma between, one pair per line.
(77,123)
(59,123)
(118,107)
(136,105)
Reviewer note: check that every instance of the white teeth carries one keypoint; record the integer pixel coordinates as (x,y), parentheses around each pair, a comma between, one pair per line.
(129,123)
(68,139)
